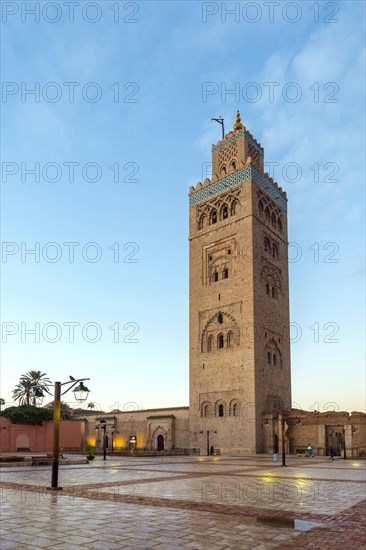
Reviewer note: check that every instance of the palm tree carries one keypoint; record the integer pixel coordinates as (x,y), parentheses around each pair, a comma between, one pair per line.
(22,391)
(2,402)
(91,405)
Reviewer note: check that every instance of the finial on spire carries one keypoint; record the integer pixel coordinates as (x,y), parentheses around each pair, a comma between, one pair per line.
(238,125)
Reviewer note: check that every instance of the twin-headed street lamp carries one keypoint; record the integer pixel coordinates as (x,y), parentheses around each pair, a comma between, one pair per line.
(103,426)
(81,393)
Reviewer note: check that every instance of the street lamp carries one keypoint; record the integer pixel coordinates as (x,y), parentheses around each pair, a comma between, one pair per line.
(208,438)
(81,393)
(284,419)
(103,426)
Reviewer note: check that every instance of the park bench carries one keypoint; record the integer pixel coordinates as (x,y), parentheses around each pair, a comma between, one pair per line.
(49,455)
(41,460)
(302,452)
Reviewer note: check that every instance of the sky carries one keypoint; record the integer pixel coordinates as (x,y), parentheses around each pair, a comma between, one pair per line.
(106,123)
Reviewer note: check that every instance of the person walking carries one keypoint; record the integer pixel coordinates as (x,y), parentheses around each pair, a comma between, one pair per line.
(310,451)
(331,454)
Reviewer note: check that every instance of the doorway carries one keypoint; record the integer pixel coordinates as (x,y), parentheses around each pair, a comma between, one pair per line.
(160,443)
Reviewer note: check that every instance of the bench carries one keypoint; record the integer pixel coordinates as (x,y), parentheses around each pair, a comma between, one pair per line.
(50,455)
(302,452)
(41,460)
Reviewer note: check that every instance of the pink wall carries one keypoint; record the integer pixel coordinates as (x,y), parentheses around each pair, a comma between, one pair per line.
(39,438)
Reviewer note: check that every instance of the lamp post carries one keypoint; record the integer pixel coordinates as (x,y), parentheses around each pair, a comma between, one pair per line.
(284,419)
(81,393)
(103,426)
(208,439)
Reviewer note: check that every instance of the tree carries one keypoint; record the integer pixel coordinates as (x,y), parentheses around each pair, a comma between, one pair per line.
(91,405)
(66,411)
(2,402)
(27,414)
(23,389)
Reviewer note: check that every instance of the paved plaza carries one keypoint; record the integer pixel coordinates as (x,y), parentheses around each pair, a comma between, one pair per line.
(186,502)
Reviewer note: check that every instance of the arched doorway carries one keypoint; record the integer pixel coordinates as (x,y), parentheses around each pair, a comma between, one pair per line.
(22,442)
(160,443)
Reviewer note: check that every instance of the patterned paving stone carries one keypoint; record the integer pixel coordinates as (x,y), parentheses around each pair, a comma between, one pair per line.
(153,503)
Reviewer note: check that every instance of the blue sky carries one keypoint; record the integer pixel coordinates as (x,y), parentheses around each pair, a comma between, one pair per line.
(174,68)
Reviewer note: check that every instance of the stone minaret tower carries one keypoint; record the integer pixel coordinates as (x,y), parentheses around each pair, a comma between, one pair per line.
(239,299)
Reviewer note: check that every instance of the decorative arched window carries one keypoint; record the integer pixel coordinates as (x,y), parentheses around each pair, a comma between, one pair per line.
(233,165)
(273,219)
(223,170)
(220,341)
(269,357)
(267,214)
(234,208)
(274,359)
(279,225)
(230,339)
(225,273)
(213,216)
(267,244)
(221,410)
(209,343)
(236,409)
(275,251)
(225,212)
(267,289)
(220,318)
(260,208)
(203,222)
(215,277)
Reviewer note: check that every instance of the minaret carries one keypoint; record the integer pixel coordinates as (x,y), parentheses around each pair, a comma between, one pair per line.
(239,299)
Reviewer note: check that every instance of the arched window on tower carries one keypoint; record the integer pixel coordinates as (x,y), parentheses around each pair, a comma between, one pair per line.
(279,225)
(269,357)
(234,207)
(260,208)
(267,289)
(223,170)
(215,277)
(274,359)
(267,214)
(273,292)
(221,410)
(275,250)
(209,343)
(267,244)
(213,217)
(233,165)
(220,341)
(225,212)
(273,219)
(203,222)
(225,273)
(236,409)
(230,339)
(220,318)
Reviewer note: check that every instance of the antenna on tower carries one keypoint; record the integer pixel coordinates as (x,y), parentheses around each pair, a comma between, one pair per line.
(220,120)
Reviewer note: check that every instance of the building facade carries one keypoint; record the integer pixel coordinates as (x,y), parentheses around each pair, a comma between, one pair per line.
(239,299)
